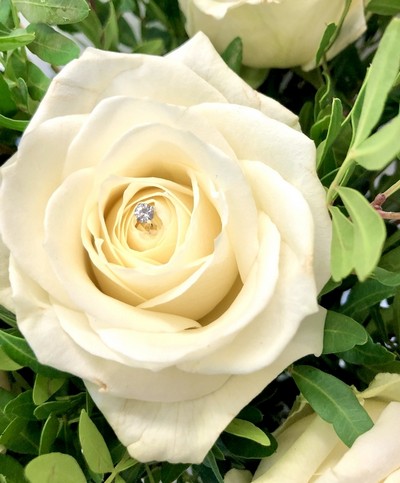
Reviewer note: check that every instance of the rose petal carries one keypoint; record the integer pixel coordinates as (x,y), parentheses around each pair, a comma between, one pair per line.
(41,321)
(310,440)
(126,75)
(25,190)
(214,70)
(114,116)
(288,152)
(138,424)
(367,461)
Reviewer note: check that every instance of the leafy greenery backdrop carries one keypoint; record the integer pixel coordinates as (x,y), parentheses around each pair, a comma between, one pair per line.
(350,108)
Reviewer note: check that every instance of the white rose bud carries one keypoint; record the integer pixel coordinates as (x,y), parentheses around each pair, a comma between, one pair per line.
(275,33)
(167,238)
(310,451)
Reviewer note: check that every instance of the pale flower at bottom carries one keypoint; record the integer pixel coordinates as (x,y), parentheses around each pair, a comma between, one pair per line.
(176,320)
(309,451)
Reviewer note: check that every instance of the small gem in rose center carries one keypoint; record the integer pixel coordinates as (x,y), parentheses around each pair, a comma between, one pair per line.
(144,212)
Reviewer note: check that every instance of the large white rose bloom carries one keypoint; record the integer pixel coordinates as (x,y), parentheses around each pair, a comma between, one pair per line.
(174,324)
(309,450)
(275,33)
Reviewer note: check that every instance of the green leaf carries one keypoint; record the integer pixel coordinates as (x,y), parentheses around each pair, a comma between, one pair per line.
(380,79)
(16,38)
(325,41)
(54,468)
(334,401)
(366,294)
(170,472)
(210,461)
(49,434)
(22,406)
(247,430)
(150,47)
(11,469)
(254,77)
(14,124)
(60,407)
(335,125)
(233,54)
(342,245)
(21,436)
(5,11)
(19,351)
(7,104)
(110,33)
(385,277)
(94,448)
(342,333)
(379,149)
(369,231)
(53,12)
(369,354)
(6,363)
(51,46)
(45,387)
(384,7)
(391,260)
(37,81)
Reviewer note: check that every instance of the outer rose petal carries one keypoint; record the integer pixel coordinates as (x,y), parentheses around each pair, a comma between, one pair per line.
(274,33)
(5,289)
(374,455)
(211,67)
(165,431)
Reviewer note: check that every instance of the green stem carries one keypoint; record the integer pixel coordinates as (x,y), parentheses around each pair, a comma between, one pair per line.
(340,175)
(149,474)
(392,189)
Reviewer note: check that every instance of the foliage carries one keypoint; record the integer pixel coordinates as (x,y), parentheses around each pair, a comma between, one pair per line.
(350,109)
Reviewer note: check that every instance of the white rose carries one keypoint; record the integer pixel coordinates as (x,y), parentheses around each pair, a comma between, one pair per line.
(310,451)
(275,33)
(173,327)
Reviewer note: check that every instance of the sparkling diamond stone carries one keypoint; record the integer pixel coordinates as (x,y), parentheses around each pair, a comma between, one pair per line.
(144,212)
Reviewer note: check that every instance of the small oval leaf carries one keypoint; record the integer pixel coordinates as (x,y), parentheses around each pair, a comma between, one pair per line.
(94,448)
(54,468)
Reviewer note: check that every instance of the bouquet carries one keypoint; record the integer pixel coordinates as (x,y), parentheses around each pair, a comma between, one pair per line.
(199,245)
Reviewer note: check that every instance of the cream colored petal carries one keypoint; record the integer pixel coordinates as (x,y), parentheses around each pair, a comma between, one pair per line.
(217,8)
(26,187)
(138,424)
(394,477)
(385,386)
(288,152)
(5,287)
(237,476)
(295,294)
(98,74)
(114,116)
(213,69)
(374,455)
(41,320)
(193,298)
(300,451)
